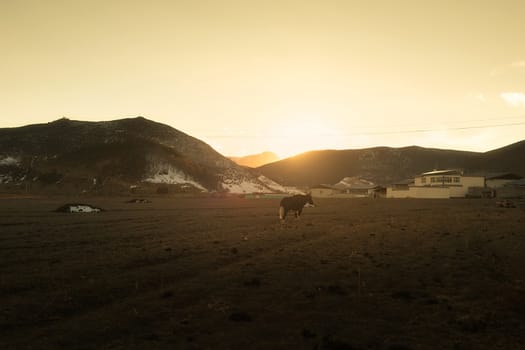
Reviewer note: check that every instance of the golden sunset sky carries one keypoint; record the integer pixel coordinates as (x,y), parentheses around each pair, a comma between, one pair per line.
(282,76)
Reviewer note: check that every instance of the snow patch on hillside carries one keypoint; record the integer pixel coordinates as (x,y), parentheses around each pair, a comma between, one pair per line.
(5,179)
(272,185)
(8,160)
(243,187)
(245,184)
(276,187)
(294,190)
(167,174)
(239,181)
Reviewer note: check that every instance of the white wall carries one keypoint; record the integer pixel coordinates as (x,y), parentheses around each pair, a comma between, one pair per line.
(397,193)
(430,192)
(466,182)
(419,192)
(473,181)
(458,191)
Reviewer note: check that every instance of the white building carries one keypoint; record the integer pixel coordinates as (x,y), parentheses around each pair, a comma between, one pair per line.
(437,184)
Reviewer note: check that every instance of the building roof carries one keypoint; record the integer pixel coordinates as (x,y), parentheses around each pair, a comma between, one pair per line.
(354,183)
(404,182)
(443,172)
(502,176)
(324,186)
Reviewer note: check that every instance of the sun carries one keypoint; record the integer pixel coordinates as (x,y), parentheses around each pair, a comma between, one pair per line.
(293,136)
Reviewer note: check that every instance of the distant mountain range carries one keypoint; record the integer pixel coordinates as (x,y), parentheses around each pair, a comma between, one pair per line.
(256,160)
(119,153)
(72,156)
(384,165)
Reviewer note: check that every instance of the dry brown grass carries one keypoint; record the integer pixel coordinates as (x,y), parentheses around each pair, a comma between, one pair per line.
(223,273)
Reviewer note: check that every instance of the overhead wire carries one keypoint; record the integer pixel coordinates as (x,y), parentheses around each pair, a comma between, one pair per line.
(386,132)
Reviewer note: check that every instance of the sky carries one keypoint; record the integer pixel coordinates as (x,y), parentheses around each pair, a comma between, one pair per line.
(283,76)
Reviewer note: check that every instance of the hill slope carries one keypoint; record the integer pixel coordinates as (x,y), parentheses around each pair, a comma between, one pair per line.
(383,165)
(125,151)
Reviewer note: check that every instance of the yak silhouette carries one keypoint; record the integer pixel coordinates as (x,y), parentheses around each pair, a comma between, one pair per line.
(295,203)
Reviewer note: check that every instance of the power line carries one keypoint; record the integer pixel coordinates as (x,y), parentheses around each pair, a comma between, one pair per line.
(441,129)
(362,133)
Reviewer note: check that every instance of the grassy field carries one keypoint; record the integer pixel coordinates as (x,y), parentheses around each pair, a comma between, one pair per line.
(224,273)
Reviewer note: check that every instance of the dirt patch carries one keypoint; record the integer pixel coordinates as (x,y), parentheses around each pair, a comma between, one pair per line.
(224,273)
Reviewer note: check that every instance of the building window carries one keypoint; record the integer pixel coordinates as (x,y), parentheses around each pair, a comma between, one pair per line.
(456,179)
(423,180)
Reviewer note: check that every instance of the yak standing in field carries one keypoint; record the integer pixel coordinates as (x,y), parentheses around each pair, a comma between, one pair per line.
(295,203)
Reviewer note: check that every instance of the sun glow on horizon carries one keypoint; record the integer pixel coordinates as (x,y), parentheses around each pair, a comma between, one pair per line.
(297,135)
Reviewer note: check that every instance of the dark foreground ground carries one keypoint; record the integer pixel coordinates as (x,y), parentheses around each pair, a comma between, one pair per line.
(183,273)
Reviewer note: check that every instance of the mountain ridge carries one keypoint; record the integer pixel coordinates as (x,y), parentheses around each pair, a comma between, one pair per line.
(384,165)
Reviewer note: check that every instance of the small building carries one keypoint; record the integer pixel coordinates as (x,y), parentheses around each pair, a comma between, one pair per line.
(497,180)
(399,189)
(349,187)
(513,189)
(324,191)
(494,182)
(356,187)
